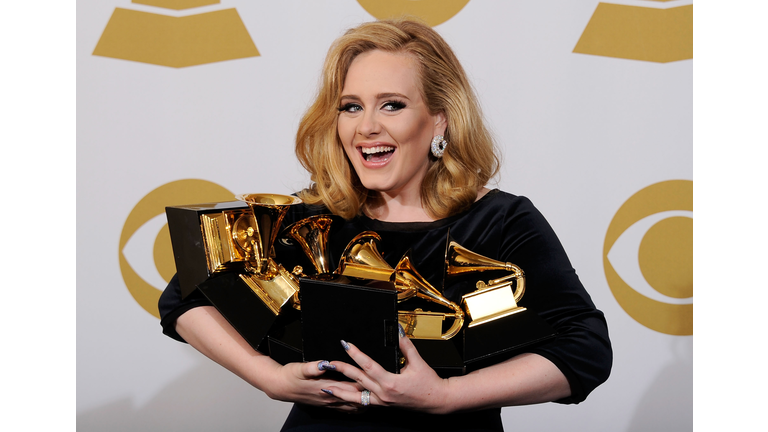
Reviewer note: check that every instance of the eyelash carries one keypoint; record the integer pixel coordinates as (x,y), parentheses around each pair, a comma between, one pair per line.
(393,106)
(348,107)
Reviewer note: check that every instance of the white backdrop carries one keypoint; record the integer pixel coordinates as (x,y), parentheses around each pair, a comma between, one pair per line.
(580,134)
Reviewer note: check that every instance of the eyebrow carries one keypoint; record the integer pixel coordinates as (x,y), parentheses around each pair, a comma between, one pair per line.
(378,96)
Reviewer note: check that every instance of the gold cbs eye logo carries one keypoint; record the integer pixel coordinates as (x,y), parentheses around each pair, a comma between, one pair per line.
(145,241)
(648,257)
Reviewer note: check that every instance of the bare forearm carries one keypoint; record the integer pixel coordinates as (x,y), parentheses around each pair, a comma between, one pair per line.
(522,380)
(525,379)
(205,329)
(210,333)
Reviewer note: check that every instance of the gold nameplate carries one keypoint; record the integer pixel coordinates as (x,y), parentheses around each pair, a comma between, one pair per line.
(491,303)
(367,272)
(275,290)
(221,232)
(419,324)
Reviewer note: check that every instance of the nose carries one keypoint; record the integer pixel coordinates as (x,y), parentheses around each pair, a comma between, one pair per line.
(369,124)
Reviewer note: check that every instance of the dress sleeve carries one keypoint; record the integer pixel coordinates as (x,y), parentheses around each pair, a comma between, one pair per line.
(582,348)
(171,306)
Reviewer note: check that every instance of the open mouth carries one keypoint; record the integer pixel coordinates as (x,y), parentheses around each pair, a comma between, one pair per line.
(377,154)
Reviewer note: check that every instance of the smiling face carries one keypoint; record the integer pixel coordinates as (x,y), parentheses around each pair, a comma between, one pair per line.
(384,123)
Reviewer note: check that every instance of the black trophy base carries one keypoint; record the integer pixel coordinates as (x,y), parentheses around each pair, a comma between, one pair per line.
(188,242)
(501,339)
(444,356)
(240,306)
(284,339)
(365,316)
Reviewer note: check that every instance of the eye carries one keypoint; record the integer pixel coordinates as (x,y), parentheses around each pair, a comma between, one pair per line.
(393,106)
(625,256)
(350,108)
(138,251)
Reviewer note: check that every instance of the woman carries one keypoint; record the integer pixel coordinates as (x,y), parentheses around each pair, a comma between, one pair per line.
(395,143)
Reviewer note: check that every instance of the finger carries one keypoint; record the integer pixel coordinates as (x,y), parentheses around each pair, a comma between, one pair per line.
(315,369)
(409,351)
(337,403)
(354,397)
(360,379)
(367,364)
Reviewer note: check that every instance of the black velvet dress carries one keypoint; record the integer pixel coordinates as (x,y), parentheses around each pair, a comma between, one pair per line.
(500,226)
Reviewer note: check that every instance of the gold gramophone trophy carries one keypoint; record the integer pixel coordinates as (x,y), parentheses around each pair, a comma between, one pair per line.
(285,339)
(347,305)
(420,324)
(390,295)
(362,259)
(312,236)
(224,250)
(499,328)
(203,239)
(493,300)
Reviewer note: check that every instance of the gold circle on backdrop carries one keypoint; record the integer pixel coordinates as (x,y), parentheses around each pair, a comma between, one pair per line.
(433,12)
(671,236)
(666,257)
(179,192)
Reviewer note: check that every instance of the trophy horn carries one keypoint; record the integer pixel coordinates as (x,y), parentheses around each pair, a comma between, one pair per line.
(312,235)
(268,212)
(461,261)
(362,259)
(418,323)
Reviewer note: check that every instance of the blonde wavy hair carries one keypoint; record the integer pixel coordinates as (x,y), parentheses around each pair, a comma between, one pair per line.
(452,182)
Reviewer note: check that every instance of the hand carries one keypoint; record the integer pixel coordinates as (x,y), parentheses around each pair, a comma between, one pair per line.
(304,383)
(417,387)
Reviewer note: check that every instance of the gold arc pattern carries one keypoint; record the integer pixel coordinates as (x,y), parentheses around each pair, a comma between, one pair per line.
(178,192)
(433,12)
(177,4)
(639,33)
(672,319)
(175,41)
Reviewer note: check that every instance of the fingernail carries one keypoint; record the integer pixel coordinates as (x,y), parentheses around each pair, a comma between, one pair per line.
(400,330)
(327,391)
(325,365)
(345,345)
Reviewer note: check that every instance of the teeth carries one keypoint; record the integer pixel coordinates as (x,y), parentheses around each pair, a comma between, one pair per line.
(378,149)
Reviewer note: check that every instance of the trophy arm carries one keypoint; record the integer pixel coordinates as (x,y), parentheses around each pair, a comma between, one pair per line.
(458,313)
(517,273)
(404,294)
(520,285)
(458,323)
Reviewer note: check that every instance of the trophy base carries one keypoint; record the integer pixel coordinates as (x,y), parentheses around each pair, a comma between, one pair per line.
(444,356)
(189,241)
(366,316)
(240,306)
(284,339)
(503,338)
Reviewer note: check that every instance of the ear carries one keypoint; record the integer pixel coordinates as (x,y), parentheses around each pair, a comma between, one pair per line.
(441,124)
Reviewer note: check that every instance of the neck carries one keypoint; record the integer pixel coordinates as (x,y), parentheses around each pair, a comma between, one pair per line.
(399,208)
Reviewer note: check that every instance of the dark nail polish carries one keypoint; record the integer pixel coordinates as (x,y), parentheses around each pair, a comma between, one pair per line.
(325,365)
(327,391)
(345,345)
(400,330)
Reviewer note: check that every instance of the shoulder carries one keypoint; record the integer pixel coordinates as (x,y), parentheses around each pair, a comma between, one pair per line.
(500,202)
